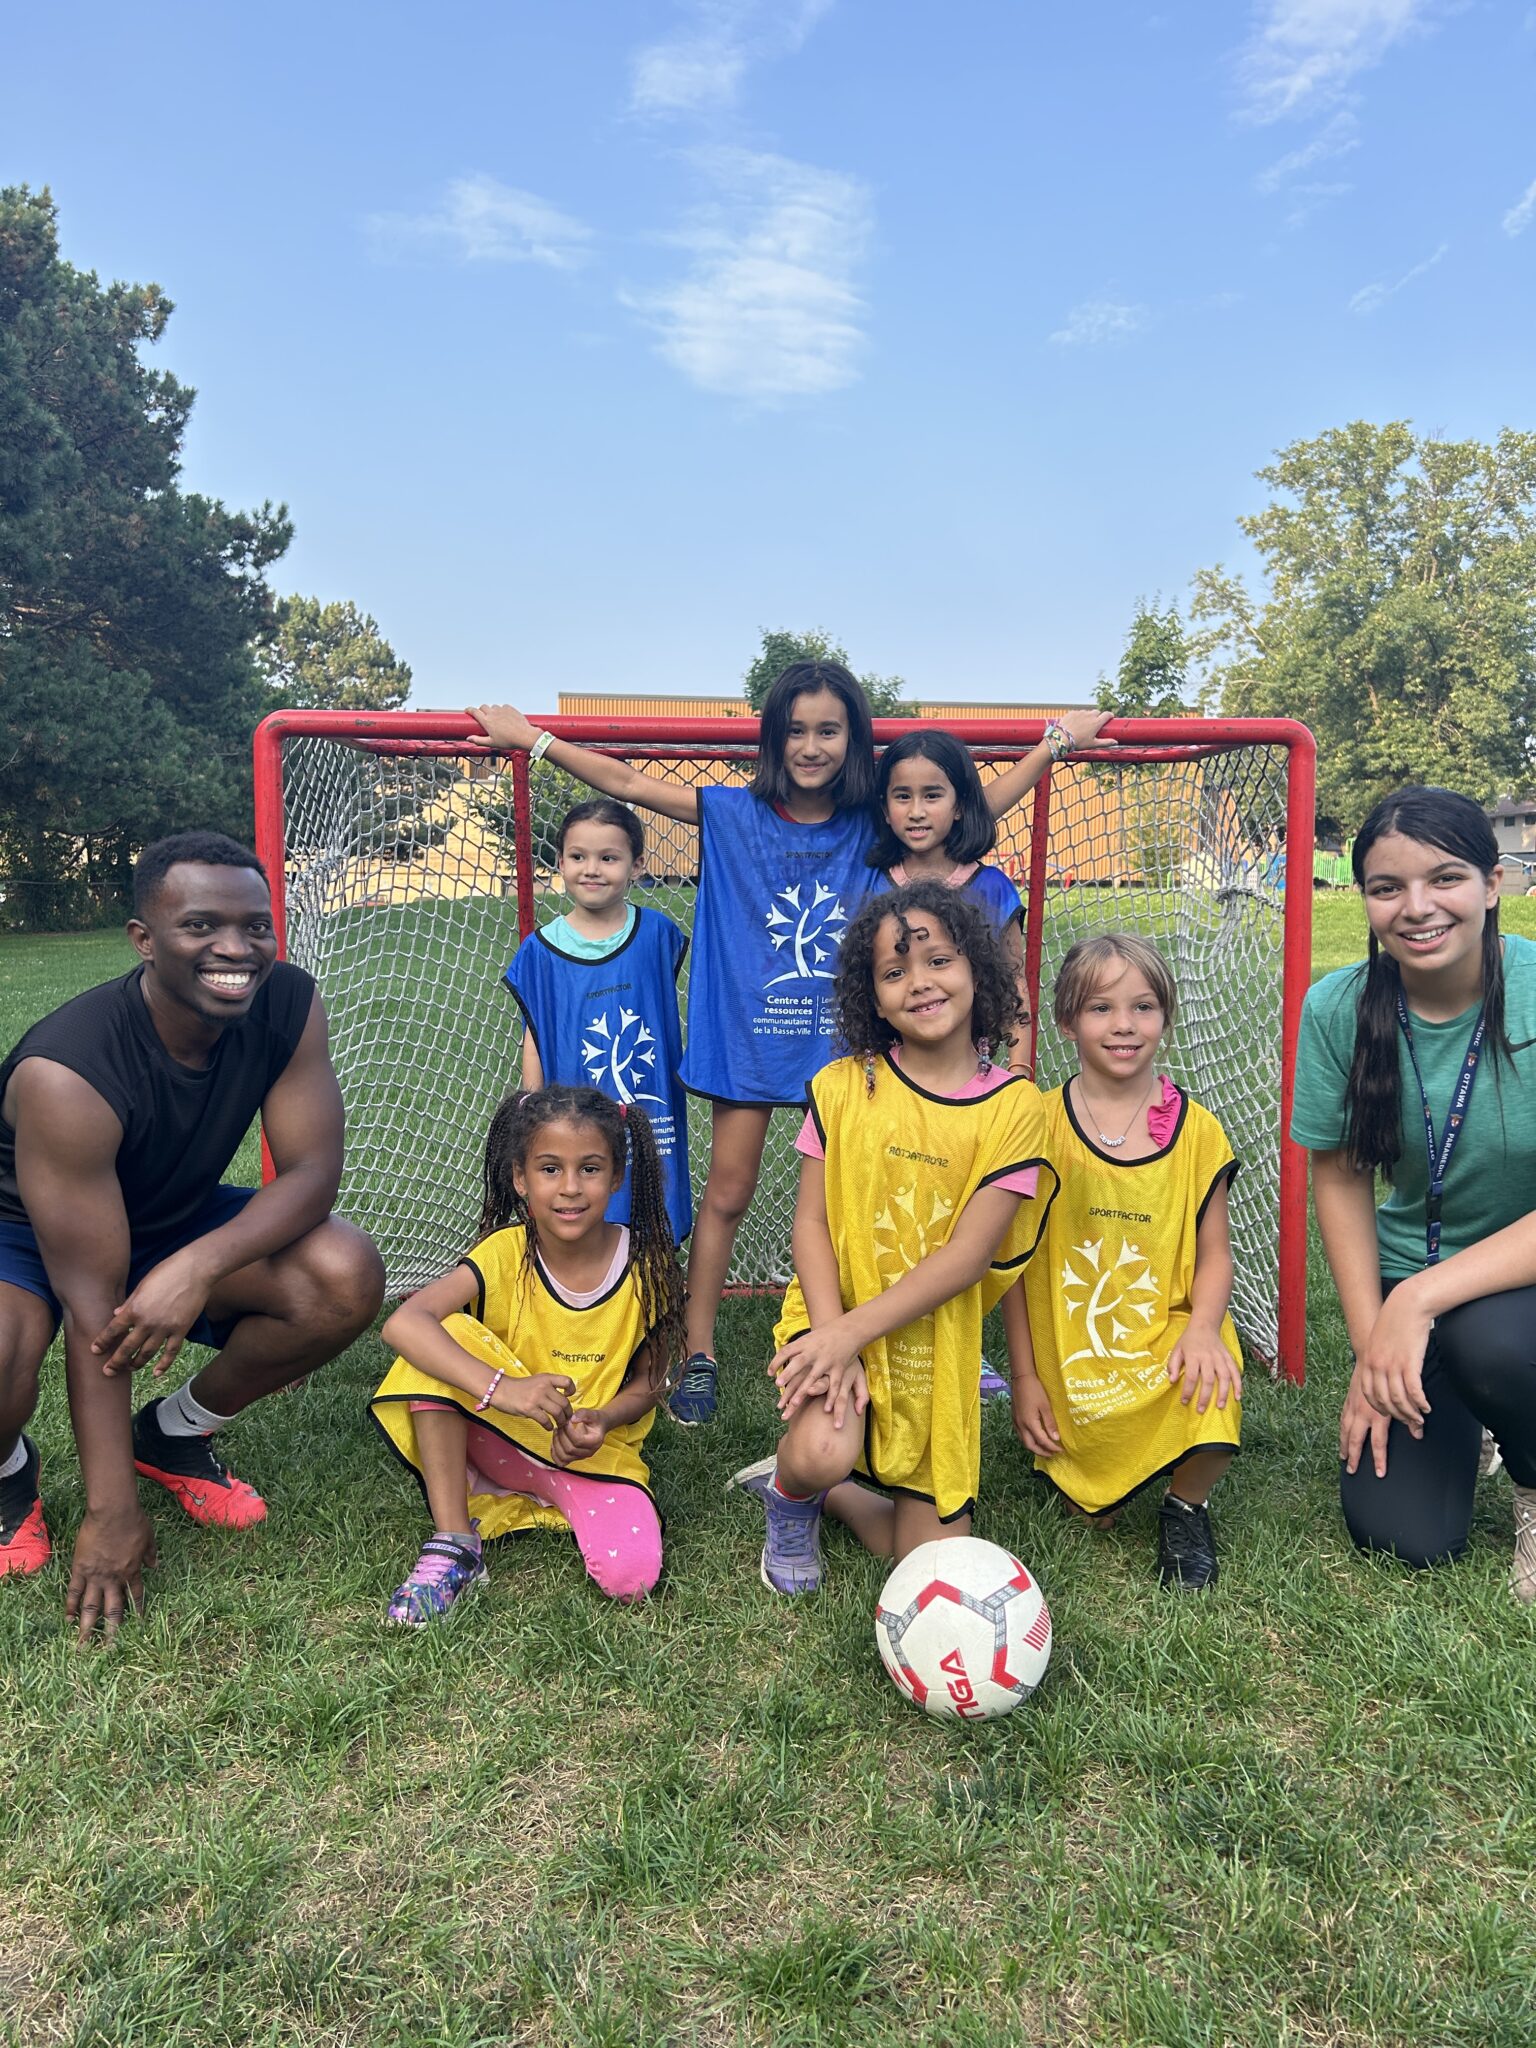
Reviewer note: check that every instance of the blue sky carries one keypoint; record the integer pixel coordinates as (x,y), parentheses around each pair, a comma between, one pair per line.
(586,338)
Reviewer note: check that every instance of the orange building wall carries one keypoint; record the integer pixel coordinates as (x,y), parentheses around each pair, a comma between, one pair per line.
(593,704)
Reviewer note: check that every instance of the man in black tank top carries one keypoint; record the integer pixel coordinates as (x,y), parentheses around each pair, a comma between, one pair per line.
(119,1113)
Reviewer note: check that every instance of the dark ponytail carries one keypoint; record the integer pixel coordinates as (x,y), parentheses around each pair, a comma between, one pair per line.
(1373,1097)
(626,1130)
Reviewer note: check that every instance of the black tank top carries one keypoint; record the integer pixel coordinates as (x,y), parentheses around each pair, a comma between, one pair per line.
(181,1125)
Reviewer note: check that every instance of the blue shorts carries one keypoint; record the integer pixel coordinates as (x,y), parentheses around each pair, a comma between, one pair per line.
(21,1263)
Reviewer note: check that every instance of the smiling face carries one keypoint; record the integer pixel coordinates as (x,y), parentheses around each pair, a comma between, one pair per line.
(1427,907)
(597,865)
(207,940)
(1119,1027)
(920,805)
(567,1179)
(816,743)
(923,984)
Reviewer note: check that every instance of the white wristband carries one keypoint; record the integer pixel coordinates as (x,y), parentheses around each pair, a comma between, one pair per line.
(540,747)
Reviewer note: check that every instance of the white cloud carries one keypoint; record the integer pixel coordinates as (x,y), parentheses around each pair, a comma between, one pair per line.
(1523,212)
(1303,53)
(1336,138)
(702,65)
(1370,296)
(481,220)
(1306,199)
(769,309)
(1099,320)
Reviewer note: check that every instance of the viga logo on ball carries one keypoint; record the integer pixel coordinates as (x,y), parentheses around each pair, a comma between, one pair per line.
(621,1062)
(813,930)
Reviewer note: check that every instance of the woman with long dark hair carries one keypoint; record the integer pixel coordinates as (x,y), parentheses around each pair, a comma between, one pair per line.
(1419,1065)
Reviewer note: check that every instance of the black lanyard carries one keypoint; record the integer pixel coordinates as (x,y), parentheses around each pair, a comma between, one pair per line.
(1440,1157)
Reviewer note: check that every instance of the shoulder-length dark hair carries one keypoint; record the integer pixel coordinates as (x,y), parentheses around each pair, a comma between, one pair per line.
(995,1007)
(974,831)
(853,787)
(1373,1098)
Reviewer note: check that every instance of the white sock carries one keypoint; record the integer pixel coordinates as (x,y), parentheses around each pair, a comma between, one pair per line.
(10,1466)
(181,1415)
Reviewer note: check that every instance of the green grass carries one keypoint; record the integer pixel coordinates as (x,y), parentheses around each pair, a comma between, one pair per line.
(1297,1812)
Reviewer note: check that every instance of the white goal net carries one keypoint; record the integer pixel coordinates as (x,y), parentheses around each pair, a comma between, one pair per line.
(410,870)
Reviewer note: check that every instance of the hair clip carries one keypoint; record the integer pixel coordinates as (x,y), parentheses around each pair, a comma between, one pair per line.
(869,1073)
(984,1054)
(624,1109)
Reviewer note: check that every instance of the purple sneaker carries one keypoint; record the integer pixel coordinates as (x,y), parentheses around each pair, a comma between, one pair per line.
(993,1385)
(791,1560)
(444,1572)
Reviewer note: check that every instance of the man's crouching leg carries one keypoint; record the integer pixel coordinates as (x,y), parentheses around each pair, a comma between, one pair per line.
(281,1318)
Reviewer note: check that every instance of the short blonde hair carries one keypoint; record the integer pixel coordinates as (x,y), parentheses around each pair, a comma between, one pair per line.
(1084,969)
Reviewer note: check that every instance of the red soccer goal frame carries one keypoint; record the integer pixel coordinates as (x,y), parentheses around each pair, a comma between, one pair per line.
(1138,741)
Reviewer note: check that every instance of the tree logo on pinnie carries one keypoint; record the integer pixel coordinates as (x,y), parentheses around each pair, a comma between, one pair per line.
(621,1062)
(1116,1301)
(908,1228)
(812,931)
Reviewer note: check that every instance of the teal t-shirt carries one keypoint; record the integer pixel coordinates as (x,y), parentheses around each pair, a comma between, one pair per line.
(1492,1181)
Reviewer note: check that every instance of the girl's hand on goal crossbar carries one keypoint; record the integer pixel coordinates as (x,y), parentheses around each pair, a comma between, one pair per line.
(504,725)
(1085,727)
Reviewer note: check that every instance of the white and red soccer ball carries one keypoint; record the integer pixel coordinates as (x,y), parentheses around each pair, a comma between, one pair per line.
(963,1629)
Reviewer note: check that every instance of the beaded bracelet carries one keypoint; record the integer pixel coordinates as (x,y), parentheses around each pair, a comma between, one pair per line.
(484,1401)
(1058,740)
(540,747)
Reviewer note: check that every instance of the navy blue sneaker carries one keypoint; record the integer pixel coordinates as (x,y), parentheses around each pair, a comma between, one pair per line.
(695,1397)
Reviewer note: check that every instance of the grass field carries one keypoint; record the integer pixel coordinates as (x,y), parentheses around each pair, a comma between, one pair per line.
(1297,1812)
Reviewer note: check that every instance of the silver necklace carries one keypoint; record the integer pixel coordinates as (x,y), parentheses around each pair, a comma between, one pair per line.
(1104,1138)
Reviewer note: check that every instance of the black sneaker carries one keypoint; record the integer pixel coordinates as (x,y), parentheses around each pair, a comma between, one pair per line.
(24,1545)
(1186,1547)
(194,1475)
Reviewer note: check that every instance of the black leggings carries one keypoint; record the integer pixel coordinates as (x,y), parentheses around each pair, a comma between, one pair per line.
(1479,1373)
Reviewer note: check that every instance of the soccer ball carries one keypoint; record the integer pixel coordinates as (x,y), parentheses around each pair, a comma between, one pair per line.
(963,1629)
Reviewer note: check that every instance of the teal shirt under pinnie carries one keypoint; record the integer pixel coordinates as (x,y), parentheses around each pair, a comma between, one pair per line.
(1492,1180)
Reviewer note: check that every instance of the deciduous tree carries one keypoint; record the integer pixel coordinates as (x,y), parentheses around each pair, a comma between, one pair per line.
(1154,669)
(886,694)
(1399,620)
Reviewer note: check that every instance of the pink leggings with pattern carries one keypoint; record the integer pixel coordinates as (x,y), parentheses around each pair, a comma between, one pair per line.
(615,1523)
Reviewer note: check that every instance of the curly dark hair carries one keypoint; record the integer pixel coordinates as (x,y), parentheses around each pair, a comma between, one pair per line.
(995,1012)
(624,1130)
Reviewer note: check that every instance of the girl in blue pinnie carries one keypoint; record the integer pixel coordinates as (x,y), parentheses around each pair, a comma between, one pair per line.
(597,988)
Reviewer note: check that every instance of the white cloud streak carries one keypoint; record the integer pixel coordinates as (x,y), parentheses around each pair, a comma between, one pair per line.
(1097,321)
(1303,54)
(480,220)
(770,308)
(1370,296)
(1523,212)
(702,65)
(1335,139)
